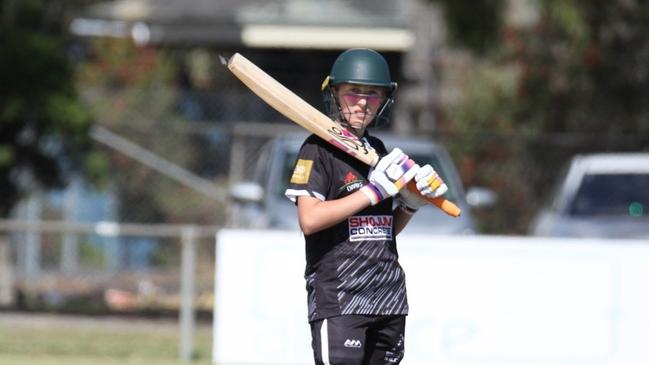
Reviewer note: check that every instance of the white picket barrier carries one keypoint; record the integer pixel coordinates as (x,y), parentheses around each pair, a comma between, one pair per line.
(473,300)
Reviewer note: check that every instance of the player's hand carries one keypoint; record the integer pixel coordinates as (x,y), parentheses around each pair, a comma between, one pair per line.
(410,202)
(429,183)
(391,174)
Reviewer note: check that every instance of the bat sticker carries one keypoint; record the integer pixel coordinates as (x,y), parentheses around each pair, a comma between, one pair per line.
(348,142)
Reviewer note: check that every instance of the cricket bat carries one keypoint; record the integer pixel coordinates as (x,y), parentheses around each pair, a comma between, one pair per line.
(299,111)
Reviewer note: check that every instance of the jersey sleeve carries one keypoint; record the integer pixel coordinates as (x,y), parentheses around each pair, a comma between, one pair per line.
(309,177)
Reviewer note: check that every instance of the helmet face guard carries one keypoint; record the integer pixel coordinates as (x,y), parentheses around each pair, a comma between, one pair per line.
(360,66)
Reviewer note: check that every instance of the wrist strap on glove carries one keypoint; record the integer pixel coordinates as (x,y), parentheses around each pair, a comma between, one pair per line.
(373,193)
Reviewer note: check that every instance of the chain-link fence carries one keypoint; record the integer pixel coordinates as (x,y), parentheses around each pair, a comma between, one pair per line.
(521,168)
(167,166)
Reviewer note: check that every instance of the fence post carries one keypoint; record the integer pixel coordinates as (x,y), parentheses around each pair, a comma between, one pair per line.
(6,274)
(187,292)
(33,238)
(69,262)
(237,159)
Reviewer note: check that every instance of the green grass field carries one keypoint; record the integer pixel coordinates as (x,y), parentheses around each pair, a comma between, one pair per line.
(64,340)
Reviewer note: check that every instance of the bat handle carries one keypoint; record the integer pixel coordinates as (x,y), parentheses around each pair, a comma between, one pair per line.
(445,205)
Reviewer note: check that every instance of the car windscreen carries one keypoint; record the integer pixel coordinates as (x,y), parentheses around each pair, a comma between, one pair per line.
(612,194)
(291,157)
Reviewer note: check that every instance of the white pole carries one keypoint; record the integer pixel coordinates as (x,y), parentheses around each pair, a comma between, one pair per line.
(6,273)
(70,250)
(187,289)
(33,238)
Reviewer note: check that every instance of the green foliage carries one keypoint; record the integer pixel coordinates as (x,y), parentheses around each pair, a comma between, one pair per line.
(90,255)
(574,81)
(133,91)
(43,126)
(475,24)
(486,138)
(490,89)
(128,90)
(586,67)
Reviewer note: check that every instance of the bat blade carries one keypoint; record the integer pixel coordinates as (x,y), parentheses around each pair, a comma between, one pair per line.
(299,111)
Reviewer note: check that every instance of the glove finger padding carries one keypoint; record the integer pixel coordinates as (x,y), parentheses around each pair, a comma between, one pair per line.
(388,159)
(390,175)
(396,175)
(429,183)
(385,184)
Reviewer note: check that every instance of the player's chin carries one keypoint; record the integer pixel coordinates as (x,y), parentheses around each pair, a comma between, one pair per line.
(360,118)
(358,124)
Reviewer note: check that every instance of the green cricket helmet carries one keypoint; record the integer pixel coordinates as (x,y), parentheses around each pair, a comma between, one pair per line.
(361,66)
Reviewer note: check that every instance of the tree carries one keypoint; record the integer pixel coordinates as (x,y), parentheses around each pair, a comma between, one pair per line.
(475,24)
(585,67)
(43,126)
(574,80)
(133,91)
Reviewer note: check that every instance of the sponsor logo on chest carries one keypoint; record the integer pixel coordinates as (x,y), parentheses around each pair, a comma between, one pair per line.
(370,227)
(351,182)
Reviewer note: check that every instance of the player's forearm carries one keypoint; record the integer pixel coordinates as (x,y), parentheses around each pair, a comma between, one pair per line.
(315,215)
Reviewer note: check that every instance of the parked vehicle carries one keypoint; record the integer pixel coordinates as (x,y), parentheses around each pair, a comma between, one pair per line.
(599,195)
(261,203)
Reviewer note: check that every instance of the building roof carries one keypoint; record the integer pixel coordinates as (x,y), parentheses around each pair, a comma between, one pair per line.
(333,24)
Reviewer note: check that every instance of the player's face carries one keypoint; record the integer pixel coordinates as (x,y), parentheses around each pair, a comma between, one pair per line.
(359,103)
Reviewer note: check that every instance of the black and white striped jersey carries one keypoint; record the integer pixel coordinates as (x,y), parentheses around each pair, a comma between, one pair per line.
(352,267)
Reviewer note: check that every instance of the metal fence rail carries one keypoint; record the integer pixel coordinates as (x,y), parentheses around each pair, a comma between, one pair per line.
(187,235)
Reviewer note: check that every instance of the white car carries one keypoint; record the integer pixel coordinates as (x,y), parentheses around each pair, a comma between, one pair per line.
(261,203)
(601,195)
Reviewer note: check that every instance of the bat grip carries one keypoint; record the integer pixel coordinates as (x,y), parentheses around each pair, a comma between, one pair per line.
(445,205)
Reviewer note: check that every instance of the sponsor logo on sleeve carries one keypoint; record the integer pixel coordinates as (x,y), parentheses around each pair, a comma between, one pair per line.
(302,171)
(370,227)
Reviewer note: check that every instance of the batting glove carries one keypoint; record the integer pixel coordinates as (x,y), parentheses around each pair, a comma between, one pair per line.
(391,174)
(429,183)
(410,202)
